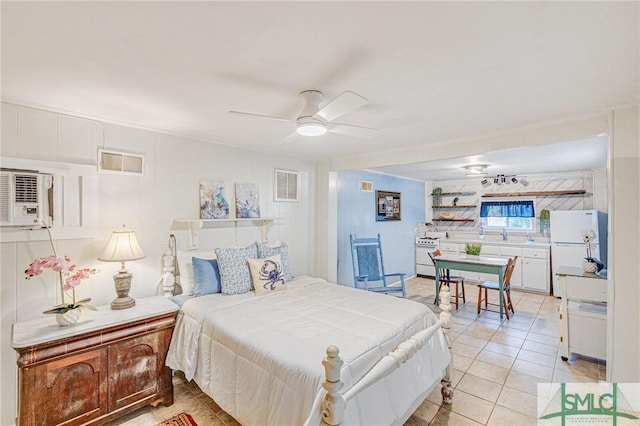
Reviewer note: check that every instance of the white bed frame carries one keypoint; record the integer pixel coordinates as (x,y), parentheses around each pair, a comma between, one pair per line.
(328,408)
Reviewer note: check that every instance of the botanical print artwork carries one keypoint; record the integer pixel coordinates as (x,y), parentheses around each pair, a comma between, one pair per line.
(247,200)
(213,203)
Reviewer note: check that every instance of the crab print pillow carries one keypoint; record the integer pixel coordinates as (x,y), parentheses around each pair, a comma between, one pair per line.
(267,274)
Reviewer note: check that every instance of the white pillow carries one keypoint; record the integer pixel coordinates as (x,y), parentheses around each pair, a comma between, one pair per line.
(185,267)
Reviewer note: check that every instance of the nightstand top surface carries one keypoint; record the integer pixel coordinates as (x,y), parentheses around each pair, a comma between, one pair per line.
(46,328)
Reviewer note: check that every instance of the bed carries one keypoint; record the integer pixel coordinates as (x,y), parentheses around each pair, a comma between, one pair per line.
(259,355)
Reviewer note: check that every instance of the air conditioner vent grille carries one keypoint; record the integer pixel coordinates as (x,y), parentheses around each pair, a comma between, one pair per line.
(26,189)
(110,161)
(5,197)
(286,185)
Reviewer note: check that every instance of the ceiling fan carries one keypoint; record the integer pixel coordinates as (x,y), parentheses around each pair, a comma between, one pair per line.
(315,121)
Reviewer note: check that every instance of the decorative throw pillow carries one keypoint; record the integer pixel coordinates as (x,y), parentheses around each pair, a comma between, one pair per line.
(267,274)
(206,276)
(235,277)
(265,250)
(185,268)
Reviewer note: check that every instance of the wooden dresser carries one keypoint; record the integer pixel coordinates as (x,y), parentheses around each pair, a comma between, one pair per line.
(108,364)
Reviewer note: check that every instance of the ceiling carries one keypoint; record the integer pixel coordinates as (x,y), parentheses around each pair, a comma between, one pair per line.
(431,71)
(584,154)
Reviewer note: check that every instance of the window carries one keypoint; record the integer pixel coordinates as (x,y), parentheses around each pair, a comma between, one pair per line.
(517,215)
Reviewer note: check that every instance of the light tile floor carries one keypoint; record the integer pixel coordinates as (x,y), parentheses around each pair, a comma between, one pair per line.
(497,366)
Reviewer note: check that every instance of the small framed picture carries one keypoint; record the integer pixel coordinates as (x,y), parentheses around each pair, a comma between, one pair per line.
(387,206)
(213,200)
(247,200)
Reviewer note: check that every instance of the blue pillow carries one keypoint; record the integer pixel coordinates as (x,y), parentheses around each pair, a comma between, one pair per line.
(234,269)
(267,251)
(206,276)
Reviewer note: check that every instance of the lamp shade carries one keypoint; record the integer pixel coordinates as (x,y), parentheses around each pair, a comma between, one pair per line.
(122,247)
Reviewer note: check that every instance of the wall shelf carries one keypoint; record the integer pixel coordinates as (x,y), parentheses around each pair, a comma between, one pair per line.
(195,225)
(456,207)
(250,219)
(536,193)
(454,220)
(467,193)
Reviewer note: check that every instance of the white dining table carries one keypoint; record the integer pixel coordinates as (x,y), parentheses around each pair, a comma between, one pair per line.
(466,262)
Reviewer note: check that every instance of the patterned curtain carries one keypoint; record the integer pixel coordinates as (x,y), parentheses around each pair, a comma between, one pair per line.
(507,209)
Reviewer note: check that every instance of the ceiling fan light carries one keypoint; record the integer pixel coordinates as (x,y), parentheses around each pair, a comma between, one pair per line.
(311,129)
(476,170)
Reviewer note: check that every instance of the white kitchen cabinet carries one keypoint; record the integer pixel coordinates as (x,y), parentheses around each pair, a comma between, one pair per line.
(532,272)
(490,251)
(535,274)
(449,248)
(503,252)
(509,252)
(532,267)
(424,264)
(535,269)
(455,250)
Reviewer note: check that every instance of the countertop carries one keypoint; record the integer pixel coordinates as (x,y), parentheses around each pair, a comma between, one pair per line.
(571,271)
(44,329)
(498,243)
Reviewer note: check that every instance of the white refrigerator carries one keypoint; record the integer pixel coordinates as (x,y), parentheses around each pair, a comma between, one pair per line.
(567,246)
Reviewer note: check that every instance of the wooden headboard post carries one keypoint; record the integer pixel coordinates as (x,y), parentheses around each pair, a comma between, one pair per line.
(445,319)
(168,268)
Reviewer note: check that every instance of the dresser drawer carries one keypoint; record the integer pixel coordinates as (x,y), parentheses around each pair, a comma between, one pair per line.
(510,251)
(449,248)
(490,250)
(535,253)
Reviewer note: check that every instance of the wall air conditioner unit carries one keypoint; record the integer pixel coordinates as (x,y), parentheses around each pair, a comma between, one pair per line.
(24,198)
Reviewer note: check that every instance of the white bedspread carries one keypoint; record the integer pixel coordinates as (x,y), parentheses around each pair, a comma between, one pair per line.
(259,357)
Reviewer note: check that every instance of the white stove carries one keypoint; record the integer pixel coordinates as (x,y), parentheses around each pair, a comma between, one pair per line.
(430,238)
(425,243)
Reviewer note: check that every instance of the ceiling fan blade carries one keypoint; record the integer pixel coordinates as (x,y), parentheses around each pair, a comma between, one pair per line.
(292,137)
(351,130)
(342,104)
(261,116)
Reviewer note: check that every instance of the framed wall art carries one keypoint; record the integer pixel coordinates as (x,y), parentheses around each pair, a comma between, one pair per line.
(247,200)
(387,206)
(213,200)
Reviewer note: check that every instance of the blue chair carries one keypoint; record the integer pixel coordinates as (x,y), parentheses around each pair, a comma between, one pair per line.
(368,266)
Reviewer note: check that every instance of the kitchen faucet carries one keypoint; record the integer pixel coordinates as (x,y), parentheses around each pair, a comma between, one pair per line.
(504,234)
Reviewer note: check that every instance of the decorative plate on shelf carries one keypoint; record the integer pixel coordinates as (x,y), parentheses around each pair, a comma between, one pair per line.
(446,216)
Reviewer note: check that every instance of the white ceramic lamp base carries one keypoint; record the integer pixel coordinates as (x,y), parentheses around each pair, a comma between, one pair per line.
(122,281)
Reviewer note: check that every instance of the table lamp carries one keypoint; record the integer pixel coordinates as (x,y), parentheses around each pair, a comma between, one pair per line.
(122,247)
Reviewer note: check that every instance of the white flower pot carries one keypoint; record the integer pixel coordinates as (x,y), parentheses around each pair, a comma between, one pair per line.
(70,317)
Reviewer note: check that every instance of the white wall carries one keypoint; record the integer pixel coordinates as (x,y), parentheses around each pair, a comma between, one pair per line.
(592,181)
(624,247)
(148,204)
